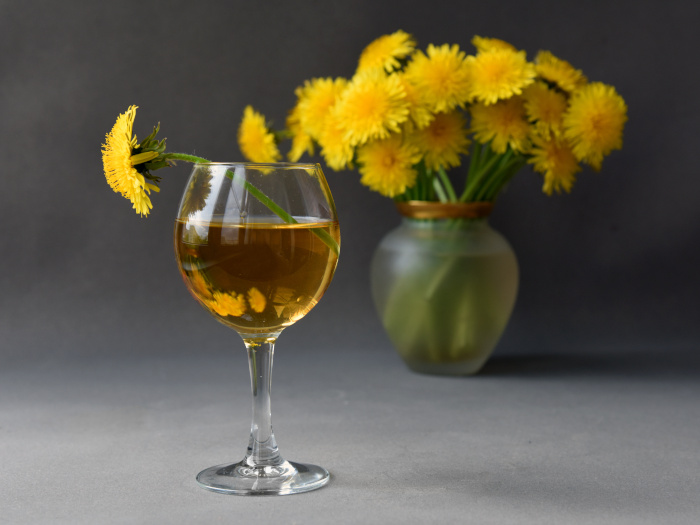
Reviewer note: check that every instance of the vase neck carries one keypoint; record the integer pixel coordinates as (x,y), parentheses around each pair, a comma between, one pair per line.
(445,224)
(444,210)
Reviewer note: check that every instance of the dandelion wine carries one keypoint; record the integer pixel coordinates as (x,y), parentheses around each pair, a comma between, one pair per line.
(256,277)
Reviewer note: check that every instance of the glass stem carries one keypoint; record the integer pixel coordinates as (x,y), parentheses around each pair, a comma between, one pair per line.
(262,447)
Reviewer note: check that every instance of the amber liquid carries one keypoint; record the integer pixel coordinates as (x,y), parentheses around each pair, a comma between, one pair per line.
(257,277)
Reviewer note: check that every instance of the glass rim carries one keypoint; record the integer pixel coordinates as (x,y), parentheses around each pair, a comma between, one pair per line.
(263,165)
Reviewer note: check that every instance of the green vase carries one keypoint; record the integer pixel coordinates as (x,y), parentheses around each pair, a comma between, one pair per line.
(444,290)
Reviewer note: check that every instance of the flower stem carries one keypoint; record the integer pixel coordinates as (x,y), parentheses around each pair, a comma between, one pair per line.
(474,161)
(264,199)
(494,175)
(503,178)
(476,180)
(440,190)
(447,184)
(187,158)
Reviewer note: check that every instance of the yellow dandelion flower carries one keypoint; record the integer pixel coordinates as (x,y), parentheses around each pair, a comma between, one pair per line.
(559,72)
(335,149)
(314,100)
(118,162)
(441,76)
(226,304)
(594,122)
(301,141)
(387,165)
(498,74)
(443,140)
(486,44)
(503,123)
(545,107)
(418,107)
(254,138)
(386,52)
(256,300)
(372,106)
(555,160)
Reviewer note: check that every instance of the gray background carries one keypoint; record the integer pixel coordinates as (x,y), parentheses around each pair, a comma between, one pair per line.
(92,306)
(614,262)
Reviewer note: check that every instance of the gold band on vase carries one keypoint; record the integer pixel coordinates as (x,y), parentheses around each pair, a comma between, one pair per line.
(444,210)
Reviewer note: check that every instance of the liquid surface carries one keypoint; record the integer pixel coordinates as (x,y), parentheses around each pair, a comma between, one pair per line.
(258,277)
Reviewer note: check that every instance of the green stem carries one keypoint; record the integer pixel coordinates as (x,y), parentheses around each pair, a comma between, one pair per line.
(502,177)
(186,158)
(440,190)
(477,179)
(499,182)
(447,184)
(495,175)
(474,160)
(430,188)
(491,186)
(505,159)
(423,182)
(264,199)
(267,201)
(418,189)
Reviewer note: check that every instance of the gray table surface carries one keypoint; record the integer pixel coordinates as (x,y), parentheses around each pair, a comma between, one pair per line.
(593,437)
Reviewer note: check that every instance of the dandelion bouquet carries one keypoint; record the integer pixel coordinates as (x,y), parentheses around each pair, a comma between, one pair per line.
(406,121)
(408,117)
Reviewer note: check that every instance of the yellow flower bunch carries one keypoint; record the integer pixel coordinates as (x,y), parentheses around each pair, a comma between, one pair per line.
(406,116)
(126,163)
(129,165)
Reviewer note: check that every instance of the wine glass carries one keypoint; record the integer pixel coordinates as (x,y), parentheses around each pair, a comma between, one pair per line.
(257,246)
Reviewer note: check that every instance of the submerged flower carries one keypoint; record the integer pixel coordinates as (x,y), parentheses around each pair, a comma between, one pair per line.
(119,159)
(499,73)
(559,72)
(257,143)
(545,107)
(314,100)
(442,76)
(199,285)
(503,123)
(594,122)
(226,304)
(555,160)
(256,300)
(372,106)
(387,165)
(443,140)
(386,52)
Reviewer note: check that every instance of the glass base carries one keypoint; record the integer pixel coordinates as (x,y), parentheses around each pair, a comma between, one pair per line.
(285,478)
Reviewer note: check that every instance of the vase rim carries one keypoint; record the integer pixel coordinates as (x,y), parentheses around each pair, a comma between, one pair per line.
(444,210)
